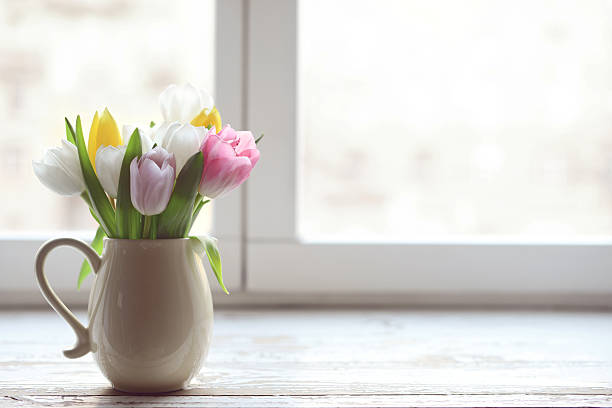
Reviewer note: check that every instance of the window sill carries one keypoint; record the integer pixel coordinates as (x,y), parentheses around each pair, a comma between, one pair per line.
(270,357)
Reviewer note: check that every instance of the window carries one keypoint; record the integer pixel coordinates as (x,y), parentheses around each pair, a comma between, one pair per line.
(433,151)
(414,151)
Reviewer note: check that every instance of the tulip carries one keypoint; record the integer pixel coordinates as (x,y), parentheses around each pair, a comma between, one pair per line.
(108,167)
(104,131)
(187,104)
(152,180)
(183,140)
(229,157)
(60,170)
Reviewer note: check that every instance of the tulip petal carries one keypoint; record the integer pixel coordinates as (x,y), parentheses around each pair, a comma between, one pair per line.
(92,142)
(247,147)
(207,119)
(135,190)
(247,141)
(206,100)
(222,175)
(159,191)
(252,155)
(166,101)
(67,158)
(215,148)
(184,142)
(150,178)
(108,132)
(54,178)
(60,170)
(160,132)
(181,103)
(160,156)
(108,167)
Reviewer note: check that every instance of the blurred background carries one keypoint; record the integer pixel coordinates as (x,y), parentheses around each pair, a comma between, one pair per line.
(60,58)
(417,120)
(443,119)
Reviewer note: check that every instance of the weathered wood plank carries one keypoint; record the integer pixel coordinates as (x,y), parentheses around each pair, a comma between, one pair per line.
(343,358)
(257,390)
(324,401)
(10,401)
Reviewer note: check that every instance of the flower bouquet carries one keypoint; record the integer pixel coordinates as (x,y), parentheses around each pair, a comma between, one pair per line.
(153,182)
(150,307)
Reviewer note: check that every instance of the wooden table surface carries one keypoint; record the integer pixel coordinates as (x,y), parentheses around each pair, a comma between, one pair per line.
(337,358)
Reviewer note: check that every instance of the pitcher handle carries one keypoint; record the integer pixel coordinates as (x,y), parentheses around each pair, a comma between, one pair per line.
(82,345)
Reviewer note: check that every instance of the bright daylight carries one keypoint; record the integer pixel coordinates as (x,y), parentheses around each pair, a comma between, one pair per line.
(306,203)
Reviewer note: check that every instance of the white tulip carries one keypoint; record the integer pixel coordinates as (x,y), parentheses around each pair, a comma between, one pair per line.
(182,103)
(60,170)
(181,139)
(145,138)
(108,167)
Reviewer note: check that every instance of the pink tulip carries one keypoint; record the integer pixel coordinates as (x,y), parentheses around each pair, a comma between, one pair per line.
(229,157)
(152,180)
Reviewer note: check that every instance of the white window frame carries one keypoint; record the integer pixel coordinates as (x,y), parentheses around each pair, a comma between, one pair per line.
(279,264)
(264,261)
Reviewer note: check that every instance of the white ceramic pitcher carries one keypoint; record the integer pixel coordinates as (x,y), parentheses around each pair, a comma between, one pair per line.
(150,311)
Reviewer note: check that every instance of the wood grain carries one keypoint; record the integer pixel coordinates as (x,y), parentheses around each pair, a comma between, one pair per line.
(341,358)
(318,401)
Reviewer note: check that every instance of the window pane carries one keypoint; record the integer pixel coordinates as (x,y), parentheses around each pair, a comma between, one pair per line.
(69,57)
(447,119)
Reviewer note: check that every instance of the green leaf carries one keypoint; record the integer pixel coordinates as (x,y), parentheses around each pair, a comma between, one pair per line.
(85,198)
(209,245)
(95,217)
(69,132)
(198,206)
(128,218)
(151,124)
(97,245)
(259,138)
(175,221)
(98,198)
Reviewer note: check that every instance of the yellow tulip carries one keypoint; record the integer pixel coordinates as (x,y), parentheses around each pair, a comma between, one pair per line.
(104,131)
(207,119)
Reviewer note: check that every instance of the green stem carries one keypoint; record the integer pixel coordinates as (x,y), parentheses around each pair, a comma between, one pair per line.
(154,222)
(135,231)
(198,200)
(147,226)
